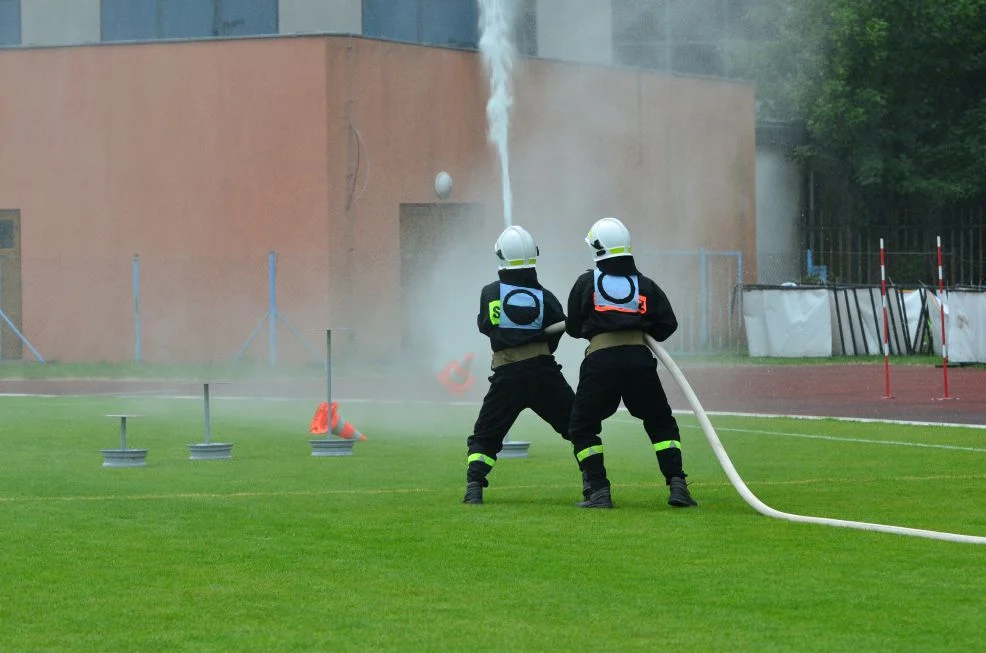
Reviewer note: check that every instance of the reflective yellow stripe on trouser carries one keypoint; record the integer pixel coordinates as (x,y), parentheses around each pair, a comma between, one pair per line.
(589,451)
(667,444)
(481,458)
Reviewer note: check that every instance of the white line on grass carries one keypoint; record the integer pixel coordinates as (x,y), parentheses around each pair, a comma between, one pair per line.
(861,420)
(214,495)
(809,436)
(475,404)
(622,409)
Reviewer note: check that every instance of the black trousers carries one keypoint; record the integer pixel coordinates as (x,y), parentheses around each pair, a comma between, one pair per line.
(537,384)
(629,373)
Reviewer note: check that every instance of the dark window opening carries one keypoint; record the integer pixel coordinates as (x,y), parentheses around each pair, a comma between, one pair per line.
(699,37)
(6,234)
(10,22)
(698,59)
(453,23)
(138,20)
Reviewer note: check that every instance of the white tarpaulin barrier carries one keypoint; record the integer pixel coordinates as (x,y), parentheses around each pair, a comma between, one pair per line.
(788,322)
(911,303)
(857,320)
(848,321)
(965,319)
(857,315)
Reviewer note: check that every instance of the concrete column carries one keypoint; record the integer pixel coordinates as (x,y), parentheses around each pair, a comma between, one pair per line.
(779,206)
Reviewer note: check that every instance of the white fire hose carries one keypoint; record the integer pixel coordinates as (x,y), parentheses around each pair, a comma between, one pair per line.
(744,491)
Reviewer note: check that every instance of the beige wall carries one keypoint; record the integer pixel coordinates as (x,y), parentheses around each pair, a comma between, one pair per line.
(59,22)
(202,157)
(418,110)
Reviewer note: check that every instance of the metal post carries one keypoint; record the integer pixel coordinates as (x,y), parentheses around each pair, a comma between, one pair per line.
(208,419)
(739,276)
(328,371)
(703,263)
(136,290)
(942,314)
(123,431)
(272,309)
(886,325)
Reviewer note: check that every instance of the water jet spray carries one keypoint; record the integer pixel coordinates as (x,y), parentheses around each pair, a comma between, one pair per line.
(496,19)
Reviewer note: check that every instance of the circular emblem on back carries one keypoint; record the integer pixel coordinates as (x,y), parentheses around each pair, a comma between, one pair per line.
(521,306)
(617,289)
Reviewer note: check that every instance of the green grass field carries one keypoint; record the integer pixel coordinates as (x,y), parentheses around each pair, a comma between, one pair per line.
(276,550)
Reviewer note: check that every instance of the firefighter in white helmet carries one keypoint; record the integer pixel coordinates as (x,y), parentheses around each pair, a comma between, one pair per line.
(613,306)
(514,312)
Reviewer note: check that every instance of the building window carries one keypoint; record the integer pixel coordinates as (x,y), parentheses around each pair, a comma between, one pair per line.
(685,36)
(6,234)
(641,35)
(698,59)
(701,37)
(10,22)
(247,17)
(137,20)
(452,23)
(694,21)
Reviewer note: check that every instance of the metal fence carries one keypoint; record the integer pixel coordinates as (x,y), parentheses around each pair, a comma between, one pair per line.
(209,310)
(852,254)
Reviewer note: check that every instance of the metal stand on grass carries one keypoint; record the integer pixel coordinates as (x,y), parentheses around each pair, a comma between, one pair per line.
(209,450)
(124,457)
(514,449)
(330,445)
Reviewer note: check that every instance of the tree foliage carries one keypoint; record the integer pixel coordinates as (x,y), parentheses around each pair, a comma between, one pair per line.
(893,92)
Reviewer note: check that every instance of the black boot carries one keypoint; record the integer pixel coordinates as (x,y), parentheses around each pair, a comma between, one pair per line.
(680,496)
(474,492)
(586,488)
(599,499)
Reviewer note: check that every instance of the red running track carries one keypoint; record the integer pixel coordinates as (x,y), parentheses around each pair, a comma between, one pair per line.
(854,390)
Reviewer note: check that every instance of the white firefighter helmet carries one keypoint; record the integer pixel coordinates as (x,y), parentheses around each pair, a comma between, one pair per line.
(608,238)
(516,249)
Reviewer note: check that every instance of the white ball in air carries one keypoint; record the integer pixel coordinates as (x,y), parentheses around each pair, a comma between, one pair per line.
(443,184)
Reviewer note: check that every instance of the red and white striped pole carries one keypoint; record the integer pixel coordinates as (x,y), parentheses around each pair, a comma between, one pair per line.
(886,327)
(941,305)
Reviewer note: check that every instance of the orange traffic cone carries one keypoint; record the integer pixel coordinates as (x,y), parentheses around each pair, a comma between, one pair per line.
(461,373)
(320,422)
(343,428)
(457,377)
(337,425)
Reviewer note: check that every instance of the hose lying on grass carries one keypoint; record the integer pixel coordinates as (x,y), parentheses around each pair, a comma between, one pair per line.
(760,506)
(744,491)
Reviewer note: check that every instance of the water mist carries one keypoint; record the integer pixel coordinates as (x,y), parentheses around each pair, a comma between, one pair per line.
(496,19)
